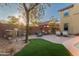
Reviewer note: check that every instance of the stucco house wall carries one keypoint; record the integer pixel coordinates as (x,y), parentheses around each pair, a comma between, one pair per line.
(72,19)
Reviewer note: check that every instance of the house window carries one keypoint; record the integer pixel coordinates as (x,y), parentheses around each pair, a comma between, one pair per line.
(66,12)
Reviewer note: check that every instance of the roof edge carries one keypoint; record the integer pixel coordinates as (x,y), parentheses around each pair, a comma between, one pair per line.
(66,8)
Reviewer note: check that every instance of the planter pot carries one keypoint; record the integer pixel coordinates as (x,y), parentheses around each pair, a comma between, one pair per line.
(39,34)
(65,33)
(58,33)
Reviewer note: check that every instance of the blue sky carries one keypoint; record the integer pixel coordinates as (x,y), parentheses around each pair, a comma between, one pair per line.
(49,12)
(53,10)
(8,10)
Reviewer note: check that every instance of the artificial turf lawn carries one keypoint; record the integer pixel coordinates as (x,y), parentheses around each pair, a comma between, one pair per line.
(40,47)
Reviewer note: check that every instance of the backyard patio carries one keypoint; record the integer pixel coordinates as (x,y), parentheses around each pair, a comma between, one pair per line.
(17,44)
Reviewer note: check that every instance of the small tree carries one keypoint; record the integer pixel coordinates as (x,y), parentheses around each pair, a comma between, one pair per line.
(30,11)
(33,11)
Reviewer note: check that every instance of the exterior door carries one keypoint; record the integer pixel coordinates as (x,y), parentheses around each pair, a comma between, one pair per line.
(66,27)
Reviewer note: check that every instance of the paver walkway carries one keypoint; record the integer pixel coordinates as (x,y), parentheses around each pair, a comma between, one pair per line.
(71,45)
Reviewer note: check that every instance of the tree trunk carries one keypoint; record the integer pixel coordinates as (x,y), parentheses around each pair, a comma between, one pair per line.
(27,22)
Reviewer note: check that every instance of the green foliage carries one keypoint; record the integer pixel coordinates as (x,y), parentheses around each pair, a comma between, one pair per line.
(13,21)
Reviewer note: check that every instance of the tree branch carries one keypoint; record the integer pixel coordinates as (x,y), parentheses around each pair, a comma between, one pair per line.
(33,7)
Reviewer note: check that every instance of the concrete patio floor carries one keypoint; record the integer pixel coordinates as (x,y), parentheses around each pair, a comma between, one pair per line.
(52,38)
